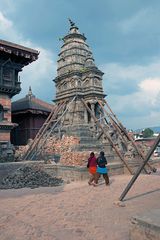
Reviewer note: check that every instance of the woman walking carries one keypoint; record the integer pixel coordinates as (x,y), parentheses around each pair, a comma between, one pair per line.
(101,168)
(92,167)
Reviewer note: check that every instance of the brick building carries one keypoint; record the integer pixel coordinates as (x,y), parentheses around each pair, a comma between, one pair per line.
(13,58)
(29,113)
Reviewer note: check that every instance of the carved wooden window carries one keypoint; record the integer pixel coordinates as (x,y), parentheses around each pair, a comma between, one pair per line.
(1,113)
(7,76)
(16,76)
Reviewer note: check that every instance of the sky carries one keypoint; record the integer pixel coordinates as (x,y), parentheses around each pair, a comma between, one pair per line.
(123,35)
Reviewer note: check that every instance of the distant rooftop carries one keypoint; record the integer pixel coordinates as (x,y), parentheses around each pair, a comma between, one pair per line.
(29,103)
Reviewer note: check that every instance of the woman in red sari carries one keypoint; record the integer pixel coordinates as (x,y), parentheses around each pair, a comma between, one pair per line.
(92,167)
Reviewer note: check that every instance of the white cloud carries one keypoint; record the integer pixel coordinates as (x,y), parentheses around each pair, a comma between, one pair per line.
(38,74)
(151,86)
(151,89)
(128,25)
(122,80)
(142,21)
(5,24)
(134,92)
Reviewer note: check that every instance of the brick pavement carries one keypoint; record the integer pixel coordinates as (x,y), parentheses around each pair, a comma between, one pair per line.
(76,211)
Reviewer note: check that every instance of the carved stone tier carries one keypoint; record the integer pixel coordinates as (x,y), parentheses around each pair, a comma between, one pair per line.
(77,73)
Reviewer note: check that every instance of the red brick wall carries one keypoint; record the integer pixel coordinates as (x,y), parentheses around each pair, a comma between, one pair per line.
(4,136)
(5,101)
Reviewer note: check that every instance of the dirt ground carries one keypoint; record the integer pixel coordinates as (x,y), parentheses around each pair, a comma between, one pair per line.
(76,211)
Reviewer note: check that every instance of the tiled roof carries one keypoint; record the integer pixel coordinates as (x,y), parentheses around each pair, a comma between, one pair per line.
(30,102)
(28,54)
(17,46)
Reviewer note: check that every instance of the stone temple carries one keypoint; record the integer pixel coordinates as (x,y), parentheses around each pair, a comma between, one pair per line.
(78,75)
(81,110)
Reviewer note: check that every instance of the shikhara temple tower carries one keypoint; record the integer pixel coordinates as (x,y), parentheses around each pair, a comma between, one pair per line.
(77,75)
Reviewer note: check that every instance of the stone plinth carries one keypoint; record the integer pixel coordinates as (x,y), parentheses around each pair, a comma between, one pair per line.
(68,173)
(146,226)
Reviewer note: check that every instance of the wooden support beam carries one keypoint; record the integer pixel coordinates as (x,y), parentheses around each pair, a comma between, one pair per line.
(130,139)
(108,137)
(112,121)
(130,184)
(46,134)
(42,130)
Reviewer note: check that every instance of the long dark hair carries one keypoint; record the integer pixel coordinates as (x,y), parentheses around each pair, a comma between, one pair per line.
(102,154)
(92,154)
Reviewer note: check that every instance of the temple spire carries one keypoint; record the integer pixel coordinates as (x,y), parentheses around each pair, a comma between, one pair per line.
(73,27)
(30,94)
(71,23)
(30,91)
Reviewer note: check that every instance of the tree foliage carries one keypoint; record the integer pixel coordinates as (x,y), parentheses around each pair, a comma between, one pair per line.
(148,132)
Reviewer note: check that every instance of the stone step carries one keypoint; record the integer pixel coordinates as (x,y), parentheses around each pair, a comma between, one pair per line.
(82,134)
(89,140)
(146,226)
(88,147)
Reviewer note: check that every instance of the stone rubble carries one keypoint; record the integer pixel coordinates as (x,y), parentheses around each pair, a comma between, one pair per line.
(62,147)
(75,158)
(31,177)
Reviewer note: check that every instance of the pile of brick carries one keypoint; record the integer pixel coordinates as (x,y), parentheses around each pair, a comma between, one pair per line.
(132,152)
(143,148)
(20,151)
(63,147)
(59,146)
(31,177)
(52,146)
(74,158)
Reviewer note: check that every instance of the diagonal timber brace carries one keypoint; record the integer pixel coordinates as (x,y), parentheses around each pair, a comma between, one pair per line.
(121,129)
(43,129)
(108,137)
(46,130)
(130,184)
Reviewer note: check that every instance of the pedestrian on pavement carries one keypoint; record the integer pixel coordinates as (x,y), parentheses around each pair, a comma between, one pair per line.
(92,166)
(101,168)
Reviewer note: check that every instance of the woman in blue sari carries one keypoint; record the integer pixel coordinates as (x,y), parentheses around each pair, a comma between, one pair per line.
(101,168)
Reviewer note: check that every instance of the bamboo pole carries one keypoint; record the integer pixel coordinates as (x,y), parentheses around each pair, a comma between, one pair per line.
(47,134)
(42,130)
(130,184)
(130,138)
(112,120)
(108,137)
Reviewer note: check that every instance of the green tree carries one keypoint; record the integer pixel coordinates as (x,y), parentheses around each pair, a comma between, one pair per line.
(148,132)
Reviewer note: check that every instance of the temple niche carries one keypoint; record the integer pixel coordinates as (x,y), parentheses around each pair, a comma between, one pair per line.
(13,58)
(79,77)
